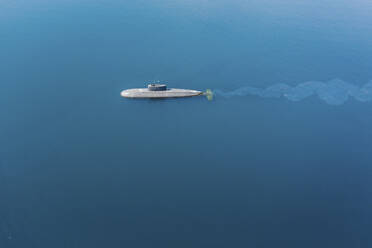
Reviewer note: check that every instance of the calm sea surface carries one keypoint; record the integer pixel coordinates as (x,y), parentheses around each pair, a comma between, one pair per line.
(82,167)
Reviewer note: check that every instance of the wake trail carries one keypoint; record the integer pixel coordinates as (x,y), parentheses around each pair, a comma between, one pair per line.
(333,92)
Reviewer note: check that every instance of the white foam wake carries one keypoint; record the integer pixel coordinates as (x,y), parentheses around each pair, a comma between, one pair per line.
(334,92)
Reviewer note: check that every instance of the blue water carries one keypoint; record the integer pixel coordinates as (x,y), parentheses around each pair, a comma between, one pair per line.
(280,158)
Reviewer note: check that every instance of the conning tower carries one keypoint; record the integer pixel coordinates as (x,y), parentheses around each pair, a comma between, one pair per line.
(157,87)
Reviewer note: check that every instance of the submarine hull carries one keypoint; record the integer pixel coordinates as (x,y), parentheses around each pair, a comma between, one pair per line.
(169,93)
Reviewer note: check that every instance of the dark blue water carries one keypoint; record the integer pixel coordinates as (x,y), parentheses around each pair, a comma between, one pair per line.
(82,167)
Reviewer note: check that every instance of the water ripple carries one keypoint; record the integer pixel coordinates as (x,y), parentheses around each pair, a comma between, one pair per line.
(333,92)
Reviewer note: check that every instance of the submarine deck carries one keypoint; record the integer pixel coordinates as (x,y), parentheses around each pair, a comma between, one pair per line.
(169,93)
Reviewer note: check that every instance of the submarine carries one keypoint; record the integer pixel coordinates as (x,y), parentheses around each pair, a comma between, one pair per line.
(158,91)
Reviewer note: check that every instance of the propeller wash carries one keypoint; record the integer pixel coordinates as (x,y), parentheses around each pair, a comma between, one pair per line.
(333,92)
